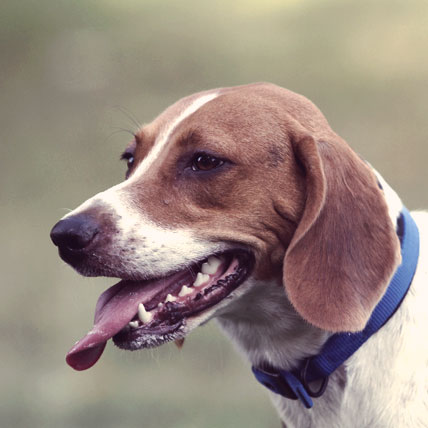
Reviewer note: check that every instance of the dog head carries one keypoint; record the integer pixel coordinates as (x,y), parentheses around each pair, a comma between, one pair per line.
(224,185)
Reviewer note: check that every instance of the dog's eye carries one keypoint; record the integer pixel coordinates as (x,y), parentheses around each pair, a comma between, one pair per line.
(129,157)
(130,161)
(205,162)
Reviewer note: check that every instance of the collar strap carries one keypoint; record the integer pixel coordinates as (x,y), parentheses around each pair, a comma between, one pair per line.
(294,384)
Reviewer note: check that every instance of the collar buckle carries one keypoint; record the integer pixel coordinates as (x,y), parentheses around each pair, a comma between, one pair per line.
(303,376)
(284,383)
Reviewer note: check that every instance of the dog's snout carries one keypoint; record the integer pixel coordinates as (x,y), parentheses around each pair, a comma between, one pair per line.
(75,232)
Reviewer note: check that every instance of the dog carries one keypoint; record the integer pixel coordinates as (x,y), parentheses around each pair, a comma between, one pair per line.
(242,204)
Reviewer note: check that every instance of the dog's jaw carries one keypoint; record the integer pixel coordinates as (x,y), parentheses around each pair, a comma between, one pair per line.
(144,314)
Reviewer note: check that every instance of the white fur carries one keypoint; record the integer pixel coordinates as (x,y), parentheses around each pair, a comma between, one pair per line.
(140,245)
(384,384)
(164,136)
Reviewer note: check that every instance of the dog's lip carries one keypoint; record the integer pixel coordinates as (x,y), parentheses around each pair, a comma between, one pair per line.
(115,308)
(175,319)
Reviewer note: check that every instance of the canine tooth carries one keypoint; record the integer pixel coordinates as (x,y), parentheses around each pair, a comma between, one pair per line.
(215,261)
(210,267)
(133,324)
(145,317)
(170,298)
(200,279)
(185,290)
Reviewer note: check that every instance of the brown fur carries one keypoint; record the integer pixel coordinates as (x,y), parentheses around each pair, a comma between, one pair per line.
(294,193)
(344,250)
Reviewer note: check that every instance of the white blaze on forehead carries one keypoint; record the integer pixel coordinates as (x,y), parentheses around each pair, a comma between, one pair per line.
(141,244)
(165,134)
(116,192)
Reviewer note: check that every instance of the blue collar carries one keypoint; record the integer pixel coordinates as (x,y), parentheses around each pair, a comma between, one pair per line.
(294,384)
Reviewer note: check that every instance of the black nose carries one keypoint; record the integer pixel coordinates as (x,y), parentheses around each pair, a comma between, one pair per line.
(75,232)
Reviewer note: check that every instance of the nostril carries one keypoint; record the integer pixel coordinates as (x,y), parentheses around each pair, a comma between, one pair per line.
(75,232)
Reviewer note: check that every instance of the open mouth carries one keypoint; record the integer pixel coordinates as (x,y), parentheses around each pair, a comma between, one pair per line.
(144,314)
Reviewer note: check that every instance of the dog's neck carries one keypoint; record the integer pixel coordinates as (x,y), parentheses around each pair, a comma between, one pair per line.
(266,329)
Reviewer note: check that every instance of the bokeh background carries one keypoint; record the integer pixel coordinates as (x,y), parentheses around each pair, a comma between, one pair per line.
(73,74)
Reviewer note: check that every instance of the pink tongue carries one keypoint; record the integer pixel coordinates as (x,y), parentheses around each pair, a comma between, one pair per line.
(115,308)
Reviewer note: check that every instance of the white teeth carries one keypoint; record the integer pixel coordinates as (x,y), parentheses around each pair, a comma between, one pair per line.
(133,324)
(144,316)
(201,278)
(185,290)
(215,261)
(160,304)
(170,298)
(210,267)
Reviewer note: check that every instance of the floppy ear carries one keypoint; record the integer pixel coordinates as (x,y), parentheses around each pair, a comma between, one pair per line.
(345,249)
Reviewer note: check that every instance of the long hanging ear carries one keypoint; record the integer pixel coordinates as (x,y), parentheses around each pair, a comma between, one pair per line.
(345,249)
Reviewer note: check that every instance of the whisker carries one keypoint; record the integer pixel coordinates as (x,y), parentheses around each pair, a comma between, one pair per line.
(129,115)
(118,130)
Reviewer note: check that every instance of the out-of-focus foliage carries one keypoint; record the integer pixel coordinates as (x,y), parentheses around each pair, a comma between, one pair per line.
(72,74)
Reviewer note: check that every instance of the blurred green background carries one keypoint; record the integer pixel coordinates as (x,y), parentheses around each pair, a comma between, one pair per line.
(72,74)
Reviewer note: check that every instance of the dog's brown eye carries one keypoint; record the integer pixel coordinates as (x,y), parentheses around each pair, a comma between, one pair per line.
(129,157)
(130,161)
(205,162)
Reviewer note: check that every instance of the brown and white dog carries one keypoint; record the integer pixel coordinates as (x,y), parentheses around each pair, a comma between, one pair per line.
(242,204)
